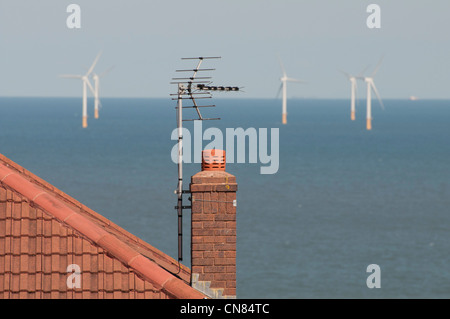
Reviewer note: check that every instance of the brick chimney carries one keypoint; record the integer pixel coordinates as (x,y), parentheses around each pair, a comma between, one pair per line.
(213,231)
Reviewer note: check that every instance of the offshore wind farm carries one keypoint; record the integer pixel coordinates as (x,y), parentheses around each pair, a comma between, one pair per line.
(357,184)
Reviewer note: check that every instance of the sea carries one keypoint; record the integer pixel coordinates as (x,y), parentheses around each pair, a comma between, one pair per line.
(343,199)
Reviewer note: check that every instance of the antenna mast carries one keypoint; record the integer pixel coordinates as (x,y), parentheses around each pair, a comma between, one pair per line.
(190,88)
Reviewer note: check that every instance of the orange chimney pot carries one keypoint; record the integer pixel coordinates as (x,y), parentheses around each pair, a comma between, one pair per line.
(213,160)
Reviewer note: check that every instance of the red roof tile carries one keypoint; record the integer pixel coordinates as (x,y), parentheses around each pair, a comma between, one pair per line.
(43,231)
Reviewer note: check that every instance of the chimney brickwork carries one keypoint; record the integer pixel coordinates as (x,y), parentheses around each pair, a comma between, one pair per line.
(213,233)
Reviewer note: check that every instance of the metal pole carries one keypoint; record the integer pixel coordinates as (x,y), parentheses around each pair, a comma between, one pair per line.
(180,172)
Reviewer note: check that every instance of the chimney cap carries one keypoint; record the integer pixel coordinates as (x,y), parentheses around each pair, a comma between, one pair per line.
(213,160)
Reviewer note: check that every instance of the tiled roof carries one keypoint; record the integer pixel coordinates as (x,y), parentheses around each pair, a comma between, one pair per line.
(43,231)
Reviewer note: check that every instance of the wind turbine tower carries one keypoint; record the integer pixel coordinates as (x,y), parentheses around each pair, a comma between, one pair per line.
(353,84)
(95,77)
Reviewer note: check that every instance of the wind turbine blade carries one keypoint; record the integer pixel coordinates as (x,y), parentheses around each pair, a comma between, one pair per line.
(105,72)
(282,67)
(90,86)
(345,73)
(93,64)
(377,94)
(70,76)
(279,90)
(360,75)
(377,67)
(295,80)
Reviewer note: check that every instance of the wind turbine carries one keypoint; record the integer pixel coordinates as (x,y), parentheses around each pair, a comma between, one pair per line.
(96,77)
(86,83)
(371,86)
(283,87)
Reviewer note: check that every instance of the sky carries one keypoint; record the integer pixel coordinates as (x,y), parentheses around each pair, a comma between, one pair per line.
(144,40)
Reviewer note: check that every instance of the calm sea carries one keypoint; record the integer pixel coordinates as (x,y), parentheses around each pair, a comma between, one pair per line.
(342,199)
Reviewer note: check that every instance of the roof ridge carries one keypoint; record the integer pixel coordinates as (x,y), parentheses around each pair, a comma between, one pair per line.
(149,270)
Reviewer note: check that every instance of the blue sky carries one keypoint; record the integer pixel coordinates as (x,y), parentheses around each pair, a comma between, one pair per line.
(144,41)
